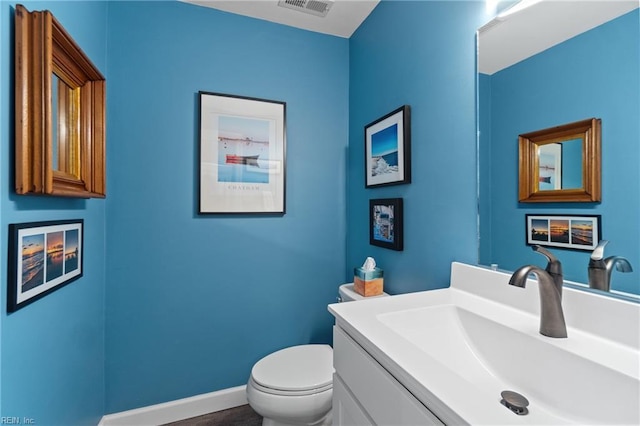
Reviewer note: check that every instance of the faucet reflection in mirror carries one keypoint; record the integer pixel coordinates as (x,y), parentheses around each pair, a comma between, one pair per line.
(600,269)
(552,323)
(594,73)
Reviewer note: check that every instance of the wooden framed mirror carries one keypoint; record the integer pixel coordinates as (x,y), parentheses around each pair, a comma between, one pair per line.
(561,164)
(60,111)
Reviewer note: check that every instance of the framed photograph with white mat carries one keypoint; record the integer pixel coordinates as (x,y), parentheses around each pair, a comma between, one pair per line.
(387,146)
(242,155)
(43,257)
(574,232)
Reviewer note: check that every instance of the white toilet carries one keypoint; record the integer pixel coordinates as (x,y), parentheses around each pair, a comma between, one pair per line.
(294,386)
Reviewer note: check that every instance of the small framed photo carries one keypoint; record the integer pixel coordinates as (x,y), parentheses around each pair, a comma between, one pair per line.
(242,155)
(576,232)
(43,257)
(385,223)
(387,145)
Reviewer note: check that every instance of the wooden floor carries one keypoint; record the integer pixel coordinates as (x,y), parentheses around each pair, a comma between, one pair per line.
(238,416)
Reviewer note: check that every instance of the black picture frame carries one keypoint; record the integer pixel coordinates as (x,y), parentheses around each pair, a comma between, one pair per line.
(42,258)
(572,232)
(386,223)
(387,149)
(242,150)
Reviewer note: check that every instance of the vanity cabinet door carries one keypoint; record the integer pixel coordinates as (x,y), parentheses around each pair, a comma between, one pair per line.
(346,410)
(384,400)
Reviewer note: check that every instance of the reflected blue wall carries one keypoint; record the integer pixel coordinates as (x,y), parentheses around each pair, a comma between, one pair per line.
(485,169)
(572,164)
(596,74)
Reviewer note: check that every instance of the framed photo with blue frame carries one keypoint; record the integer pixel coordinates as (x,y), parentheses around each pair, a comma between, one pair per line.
(43,257)
(242,155)
(387,148)
(385,223)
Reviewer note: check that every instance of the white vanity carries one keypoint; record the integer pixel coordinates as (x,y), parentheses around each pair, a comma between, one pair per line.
(444,356)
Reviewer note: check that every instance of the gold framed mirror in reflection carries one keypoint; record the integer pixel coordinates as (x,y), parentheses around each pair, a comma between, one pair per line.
(561,164)
(60,111)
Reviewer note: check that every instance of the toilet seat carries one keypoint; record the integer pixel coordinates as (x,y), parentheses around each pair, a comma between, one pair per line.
(295,371)
(281,392)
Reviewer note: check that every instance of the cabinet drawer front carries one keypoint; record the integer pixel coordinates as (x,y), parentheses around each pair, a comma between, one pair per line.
(385,400)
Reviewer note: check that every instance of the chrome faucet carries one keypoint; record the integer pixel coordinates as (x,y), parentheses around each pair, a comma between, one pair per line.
(552,322)
(600,269)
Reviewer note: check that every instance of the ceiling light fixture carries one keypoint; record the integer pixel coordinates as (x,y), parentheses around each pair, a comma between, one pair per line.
(520,6)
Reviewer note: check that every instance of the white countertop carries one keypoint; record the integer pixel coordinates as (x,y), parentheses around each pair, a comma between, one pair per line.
(594,323)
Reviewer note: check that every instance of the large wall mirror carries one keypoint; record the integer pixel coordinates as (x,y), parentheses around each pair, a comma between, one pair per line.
(60,111)
(546,65)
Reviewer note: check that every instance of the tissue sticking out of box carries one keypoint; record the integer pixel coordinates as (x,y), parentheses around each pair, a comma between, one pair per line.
(368,279)
(369,264)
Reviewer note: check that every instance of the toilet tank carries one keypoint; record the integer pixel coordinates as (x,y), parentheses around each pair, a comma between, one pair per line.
(348,294)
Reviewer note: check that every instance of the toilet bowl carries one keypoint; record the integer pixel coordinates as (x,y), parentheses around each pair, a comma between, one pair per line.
(294,386)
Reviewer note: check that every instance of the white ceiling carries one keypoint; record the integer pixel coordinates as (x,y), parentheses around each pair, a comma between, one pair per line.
(344,17)
(504,42)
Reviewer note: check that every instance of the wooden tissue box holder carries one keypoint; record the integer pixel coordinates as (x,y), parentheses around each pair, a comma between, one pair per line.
(368,283)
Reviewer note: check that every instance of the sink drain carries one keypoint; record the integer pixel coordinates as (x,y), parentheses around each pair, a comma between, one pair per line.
(515,402)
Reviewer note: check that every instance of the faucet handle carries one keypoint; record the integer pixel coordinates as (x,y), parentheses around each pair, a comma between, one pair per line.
(598,252)
(553,266)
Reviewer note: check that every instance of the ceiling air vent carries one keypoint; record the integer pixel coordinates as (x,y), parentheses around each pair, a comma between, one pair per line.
(312,7)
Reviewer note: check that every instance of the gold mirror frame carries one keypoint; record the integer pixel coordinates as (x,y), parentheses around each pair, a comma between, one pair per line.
(590,133)
(43,49)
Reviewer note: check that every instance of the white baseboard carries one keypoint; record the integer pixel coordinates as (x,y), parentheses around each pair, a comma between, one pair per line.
(180,409)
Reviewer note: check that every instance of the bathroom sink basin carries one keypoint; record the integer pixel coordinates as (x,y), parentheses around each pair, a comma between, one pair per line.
(457,349)
(493,357)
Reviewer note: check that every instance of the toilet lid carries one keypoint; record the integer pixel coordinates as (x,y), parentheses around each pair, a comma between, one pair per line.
(297,368)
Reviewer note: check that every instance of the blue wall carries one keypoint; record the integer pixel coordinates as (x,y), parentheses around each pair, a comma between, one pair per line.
(52,364)
(193,301)
(596,74)
(421,54)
